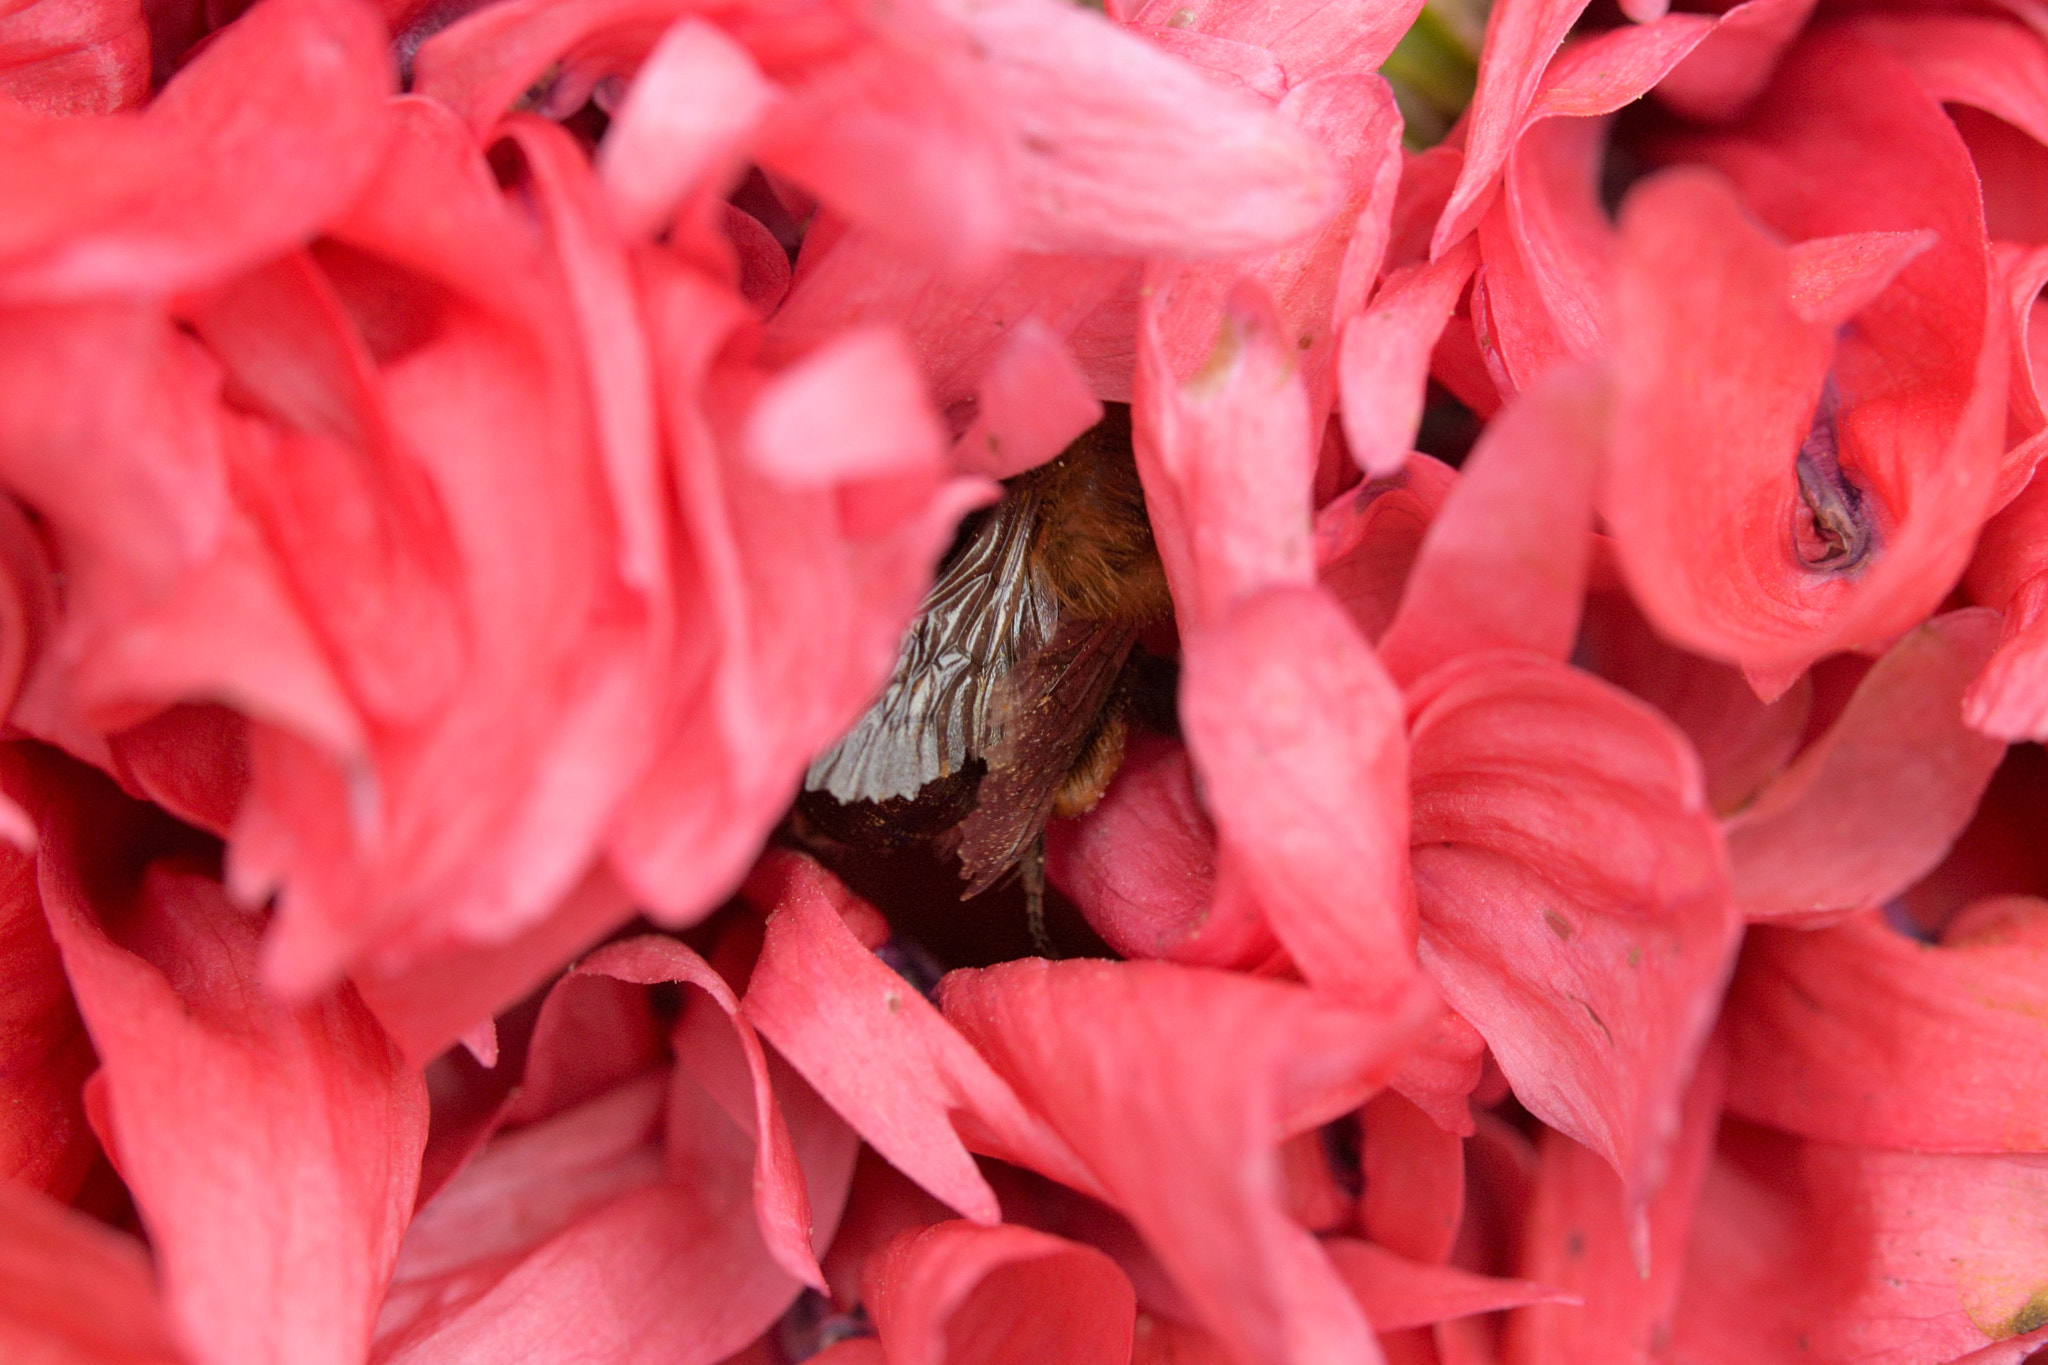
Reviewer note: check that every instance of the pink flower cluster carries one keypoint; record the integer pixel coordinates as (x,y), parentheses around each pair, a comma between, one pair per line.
(463,461)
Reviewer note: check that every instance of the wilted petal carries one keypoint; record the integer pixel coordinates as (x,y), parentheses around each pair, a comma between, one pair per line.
(1545,790)
(1876,801)
(72,1290)
(1297,734)
(272,1150)
(1503,565)
(1176,1085)
(1004,1295)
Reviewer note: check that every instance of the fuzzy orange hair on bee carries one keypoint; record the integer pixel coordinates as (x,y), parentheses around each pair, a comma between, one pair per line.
(1006,705)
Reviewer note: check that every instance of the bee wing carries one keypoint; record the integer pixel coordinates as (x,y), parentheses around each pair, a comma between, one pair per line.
(1046,710)
(987,611)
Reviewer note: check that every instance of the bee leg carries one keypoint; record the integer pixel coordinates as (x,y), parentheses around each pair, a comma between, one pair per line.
(1031,871)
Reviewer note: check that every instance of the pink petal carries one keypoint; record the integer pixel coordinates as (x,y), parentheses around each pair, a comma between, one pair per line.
(570,1244)
(2025,273)
(1583,1238)
(480,64)
(594,1033)
(1733,63)
(1000,1295)
(804,575)
(1885,1257)
(428,1004)
(1955,1030)
(1835,278)
(1226,454)
(72,1290)
(1742,742)
(1234,65)
(1120,149)
(1414,1184)
(855,410)
(1141,867)
(957,327)
(1989,64)
(906,138)
(229,165)
(1448,1064)
(1034,402)
(75,56)
(1918,424)
(1503,565)
(1876,801)
(1176,1085)
(273,1151)
(877,1050)
(1521,38)
(193,760)
(679,132)
(1549,249)
(1308,40)
(1367,539)
(1297,734)
(1544,789)
(1396,1292)
(780,1200)
(1383,360)
(45,1055)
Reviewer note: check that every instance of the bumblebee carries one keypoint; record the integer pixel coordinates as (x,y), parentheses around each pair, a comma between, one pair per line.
(1009,700)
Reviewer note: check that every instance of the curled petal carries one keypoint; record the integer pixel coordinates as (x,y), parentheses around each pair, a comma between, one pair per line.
(1006,1295)
(780,1199)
